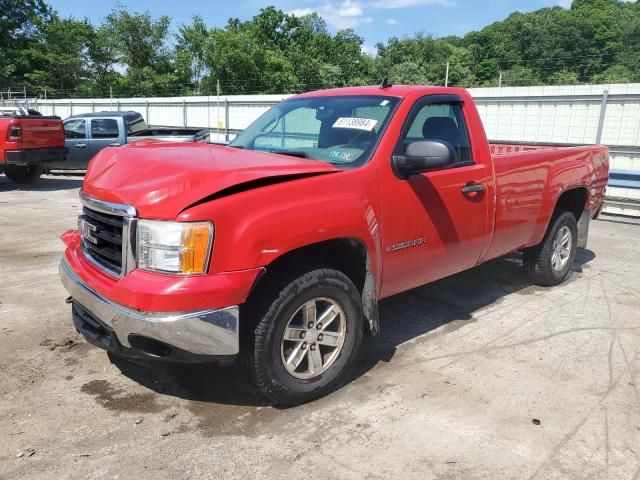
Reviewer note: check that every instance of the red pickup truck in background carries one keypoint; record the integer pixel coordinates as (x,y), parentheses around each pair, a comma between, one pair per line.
(28,143)
(278,247)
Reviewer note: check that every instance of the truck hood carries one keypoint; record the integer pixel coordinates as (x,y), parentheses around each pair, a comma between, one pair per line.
(161,179)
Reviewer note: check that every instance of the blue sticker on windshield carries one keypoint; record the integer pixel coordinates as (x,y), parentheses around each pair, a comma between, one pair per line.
(342,156)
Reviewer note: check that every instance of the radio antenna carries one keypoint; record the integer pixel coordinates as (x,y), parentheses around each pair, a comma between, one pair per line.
(385,83)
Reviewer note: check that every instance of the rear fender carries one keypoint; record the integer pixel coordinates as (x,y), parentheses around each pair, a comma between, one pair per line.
(567,175)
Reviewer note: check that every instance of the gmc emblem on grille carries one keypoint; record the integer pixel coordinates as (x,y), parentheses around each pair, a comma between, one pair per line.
(87,230)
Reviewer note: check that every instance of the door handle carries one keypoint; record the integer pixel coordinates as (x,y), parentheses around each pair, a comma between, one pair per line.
(81,145)
(114,144)
(472,187)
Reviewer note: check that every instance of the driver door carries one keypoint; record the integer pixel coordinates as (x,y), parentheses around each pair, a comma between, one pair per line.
(432,225)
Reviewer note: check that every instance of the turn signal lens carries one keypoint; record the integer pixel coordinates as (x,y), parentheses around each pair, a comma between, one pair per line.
(195,248)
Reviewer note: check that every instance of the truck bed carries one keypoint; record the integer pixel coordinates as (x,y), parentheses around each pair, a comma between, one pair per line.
(507,147)
(171,134)
(522,171)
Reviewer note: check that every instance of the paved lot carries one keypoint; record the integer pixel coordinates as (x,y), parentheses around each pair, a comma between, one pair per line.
(478,376)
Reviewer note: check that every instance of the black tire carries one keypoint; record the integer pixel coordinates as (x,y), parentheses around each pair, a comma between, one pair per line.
(262,352)
(23,174)
(538,263)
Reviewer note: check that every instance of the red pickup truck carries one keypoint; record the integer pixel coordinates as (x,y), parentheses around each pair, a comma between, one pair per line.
(28,143)
(278,247)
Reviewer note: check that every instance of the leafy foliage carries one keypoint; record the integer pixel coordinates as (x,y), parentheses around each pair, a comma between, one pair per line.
(274,52)
(21,23)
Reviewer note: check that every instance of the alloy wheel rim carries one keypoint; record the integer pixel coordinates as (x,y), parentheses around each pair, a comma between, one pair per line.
(313,338)
(561,249)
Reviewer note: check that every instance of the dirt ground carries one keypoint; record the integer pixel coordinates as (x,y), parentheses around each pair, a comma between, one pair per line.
(479,376)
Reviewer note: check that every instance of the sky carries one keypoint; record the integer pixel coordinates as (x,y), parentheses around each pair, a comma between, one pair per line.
(374,20)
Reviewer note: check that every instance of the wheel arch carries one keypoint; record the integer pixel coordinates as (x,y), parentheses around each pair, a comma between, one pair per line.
(572,200)
(348,255)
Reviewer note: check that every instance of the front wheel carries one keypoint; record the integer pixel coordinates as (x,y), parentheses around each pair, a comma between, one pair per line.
(307,338)
(549,263)
(23,174)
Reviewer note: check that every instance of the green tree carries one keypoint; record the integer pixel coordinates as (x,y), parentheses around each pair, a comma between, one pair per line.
(593,41)
(59,60)
(407,73)
(275,52)
(520,76)
(21,23)
(190,51)
(234,57)
(615,74)
(103,59)
(140,45)
(563,77)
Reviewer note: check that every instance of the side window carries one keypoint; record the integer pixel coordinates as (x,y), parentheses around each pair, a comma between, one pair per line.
(104,128)
(136,125)
(444,122)
(75,129)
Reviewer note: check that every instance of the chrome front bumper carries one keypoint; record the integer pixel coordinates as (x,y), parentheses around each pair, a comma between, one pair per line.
(204,332)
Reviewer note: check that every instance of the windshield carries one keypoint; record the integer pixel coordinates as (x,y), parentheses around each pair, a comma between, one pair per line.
(341,130)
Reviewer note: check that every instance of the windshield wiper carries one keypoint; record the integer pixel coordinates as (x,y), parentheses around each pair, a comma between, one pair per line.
(291,153)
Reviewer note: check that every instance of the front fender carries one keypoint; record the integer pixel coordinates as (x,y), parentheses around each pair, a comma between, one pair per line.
(255,227)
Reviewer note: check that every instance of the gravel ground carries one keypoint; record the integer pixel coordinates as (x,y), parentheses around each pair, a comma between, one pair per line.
(480,375)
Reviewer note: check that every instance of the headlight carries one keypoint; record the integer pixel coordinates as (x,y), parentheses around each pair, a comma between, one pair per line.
(174,247)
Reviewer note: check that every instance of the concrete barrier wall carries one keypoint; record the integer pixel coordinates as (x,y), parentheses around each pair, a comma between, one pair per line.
(224,116)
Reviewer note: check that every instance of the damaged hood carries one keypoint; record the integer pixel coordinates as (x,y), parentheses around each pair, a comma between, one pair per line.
(161,179)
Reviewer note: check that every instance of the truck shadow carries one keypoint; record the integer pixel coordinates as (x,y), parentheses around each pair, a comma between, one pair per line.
(447,305)
(47,183)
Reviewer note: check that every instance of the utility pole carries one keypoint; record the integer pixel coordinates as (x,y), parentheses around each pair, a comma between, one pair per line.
(110,97)
(500,80)
(446,77)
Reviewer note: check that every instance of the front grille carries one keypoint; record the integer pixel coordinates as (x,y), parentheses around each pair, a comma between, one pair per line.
(102,235)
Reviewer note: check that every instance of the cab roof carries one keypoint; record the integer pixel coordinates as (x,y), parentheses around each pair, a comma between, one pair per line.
(129,114)
(399,91)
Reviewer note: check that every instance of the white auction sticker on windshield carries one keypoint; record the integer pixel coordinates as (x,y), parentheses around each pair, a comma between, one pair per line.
(366,124)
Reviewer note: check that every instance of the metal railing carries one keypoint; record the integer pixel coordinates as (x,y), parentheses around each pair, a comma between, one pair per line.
(225,117)
(624,179)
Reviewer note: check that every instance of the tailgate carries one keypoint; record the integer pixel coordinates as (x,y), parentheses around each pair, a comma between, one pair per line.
(41,132)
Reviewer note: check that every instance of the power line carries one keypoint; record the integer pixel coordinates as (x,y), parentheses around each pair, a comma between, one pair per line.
(261,85)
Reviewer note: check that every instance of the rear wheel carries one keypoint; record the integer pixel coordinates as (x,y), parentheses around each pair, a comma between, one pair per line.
(307,337)
(549,263)
(23,174)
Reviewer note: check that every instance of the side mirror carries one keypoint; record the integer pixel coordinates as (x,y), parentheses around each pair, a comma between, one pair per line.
(423,156)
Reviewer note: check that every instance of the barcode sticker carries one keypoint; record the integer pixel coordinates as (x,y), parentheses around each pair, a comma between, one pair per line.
(366,124)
